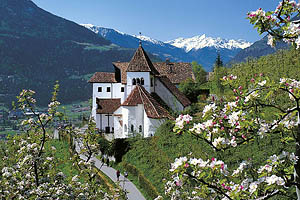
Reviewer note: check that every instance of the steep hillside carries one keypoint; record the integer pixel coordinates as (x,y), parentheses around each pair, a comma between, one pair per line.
(258,49)
(24,18)
(37,48)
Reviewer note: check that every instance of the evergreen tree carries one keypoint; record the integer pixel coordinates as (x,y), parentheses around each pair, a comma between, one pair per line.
(219,72)
(219,62)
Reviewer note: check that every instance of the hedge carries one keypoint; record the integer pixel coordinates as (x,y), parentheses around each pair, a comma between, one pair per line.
(143,181)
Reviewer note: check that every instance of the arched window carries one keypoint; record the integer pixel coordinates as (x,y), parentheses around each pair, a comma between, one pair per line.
(125,128)
(132,128)
(138,81)
(133,81)
(140,128)
(142,81)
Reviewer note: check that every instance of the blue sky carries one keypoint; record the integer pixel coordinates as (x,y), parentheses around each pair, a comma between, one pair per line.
(164,19)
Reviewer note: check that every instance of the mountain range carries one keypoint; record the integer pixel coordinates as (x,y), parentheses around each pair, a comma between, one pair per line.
(37,48)
(201,49)
(258,49)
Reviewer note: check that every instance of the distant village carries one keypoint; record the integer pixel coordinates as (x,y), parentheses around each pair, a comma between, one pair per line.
(9,119)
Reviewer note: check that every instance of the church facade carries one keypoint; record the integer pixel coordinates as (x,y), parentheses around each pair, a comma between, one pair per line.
(137,96)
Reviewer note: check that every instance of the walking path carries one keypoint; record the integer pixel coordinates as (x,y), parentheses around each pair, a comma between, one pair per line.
(133,192)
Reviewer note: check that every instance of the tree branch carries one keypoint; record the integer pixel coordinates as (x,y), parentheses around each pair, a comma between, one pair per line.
(217,189)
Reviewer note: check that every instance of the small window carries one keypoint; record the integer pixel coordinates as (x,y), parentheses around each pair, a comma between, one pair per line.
(108,89)
(142,81)
(132,128)
(99,89)
(122,89)
(140,128)
(152,82)
(133,81)
(125,128)
(138,81)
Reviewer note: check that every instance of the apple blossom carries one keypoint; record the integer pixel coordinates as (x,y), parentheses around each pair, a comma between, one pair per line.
(230,124)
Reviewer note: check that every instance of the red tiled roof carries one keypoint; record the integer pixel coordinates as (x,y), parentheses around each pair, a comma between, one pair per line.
(179,72)
(153,109)
(175,91)
(176,72)
(123,67)
(103,77)
(140,62)
(107,106)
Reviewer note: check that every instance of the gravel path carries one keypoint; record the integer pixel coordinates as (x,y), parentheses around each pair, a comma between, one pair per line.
(132,192)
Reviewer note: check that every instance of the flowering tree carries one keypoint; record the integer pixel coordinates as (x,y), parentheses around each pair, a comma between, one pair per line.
(263,109)
(28,168)
(281,24)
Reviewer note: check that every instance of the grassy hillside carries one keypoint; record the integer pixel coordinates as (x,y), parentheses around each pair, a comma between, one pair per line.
(284,63)
(37,48)
(153,156)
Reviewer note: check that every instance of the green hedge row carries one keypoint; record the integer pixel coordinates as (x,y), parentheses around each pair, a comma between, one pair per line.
(143,181)
(103,179)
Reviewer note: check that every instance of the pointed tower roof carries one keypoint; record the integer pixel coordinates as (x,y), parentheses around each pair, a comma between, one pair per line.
(140,62)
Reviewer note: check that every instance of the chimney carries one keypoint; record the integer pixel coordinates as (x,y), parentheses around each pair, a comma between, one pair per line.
(169,64)
(167,61)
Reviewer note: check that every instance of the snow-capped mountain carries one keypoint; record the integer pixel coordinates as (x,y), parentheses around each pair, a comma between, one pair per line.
(156,47)
(108,32)
(201,41)
(148,39)
(199,48)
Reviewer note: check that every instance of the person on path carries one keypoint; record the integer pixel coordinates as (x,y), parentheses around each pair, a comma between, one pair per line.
(118,174)
(103,161)
(107,162)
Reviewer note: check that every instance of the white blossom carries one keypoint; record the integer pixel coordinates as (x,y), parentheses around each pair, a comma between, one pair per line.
(274,179)
(178,162)
(209,107)
(253,187)
(271,41)
(262,83)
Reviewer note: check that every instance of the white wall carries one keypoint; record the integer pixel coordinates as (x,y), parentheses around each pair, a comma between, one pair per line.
(167,96)
(118,128)
(132,115)
(103,94)
(152,88)
(100,95)
(125,120)
(136,118)
(132,118)
(131,75)
(97,119)
(139,118)
(117,91)
(151,125)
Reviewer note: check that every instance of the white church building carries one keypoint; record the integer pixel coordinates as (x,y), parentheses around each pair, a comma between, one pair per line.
(137,96)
